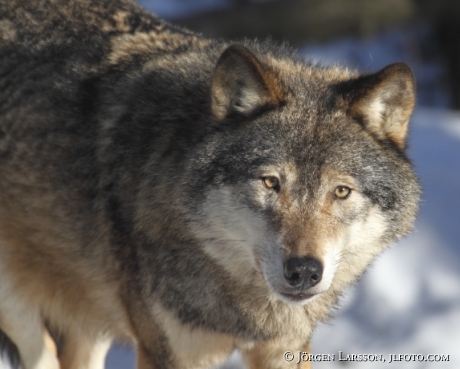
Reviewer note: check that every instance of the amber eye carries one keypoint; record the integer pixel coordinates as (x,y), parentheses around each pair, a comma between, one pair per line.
(271,182)
(342,192)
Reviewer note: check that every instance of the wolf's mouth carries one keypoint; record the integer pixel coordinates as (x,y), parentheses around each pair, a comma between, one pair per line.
(301,296)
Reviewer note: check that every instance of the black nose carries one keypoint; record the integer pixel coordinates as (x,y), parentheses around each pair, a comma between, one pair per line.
(303,272)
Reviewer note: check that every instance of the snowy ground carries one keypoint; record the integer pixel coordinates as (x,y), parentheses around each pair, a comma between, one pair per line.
(409,301)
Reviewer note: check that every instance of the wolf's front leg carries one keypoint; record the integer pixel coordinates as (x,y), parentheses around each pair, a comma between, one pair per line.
(277,355)
(160,358)
(80,352)
(23,325)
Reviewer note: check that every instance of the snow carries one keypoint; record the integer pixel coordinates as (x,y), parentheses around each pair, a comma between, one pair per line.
(409,300)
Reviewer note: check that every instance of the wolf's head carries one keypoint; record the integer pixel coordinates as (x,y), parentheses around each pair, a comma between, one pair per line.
(304,179)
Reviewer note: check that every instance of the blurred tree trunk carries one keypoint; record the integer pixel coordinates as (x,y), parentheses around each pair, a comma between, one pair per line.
(445,17)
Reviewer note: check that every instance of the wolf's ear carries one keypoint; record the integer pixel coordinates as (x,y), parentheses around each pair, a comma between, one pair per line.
(241,84)
(383,102)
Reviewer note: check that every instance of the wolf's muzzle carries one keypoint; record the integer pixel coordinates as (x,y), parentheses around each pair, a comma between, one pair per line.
(303,273)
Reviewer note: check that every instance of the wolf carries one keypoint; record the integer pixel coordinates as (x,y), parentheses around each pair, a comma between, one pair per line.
(185,195)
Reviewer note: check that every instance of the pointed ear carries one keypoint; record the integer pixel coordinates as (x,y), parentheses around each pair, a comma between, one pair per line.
(383,102)
(241,84)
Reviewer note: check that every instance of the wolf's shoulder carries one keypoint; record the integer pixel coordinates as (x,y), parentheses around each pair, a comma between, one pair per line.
(44,23)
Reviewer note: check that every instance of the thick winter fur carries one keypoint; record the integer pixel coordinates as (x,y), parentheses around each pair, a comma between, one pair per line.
(171,191)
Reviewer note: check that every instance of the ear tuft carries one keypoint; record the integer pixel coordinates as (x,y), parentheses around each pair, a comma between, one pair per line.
(384,102)
(241,84)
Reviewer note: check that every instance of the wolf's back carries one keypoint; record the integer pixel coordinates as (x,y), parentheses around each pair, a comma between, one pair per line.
(42,23)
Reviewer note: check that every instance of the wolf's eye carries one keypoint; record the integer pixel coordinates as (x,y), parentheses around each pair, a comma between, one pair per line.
(342,192)
(271,182)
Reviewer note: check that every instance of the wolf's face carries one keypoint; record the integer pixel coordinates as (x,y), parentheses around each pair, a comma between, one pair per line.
(307,193)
